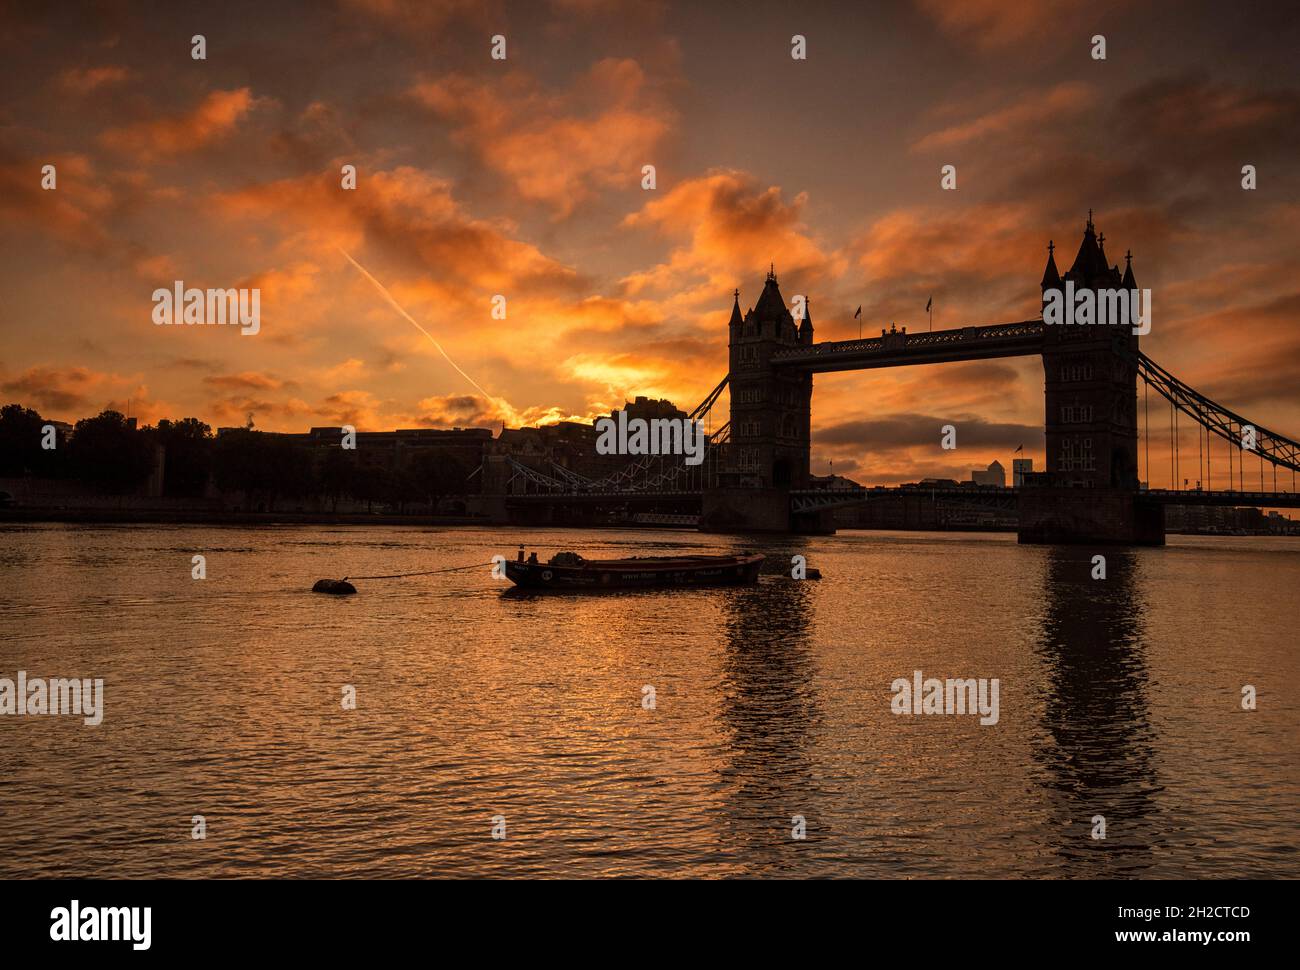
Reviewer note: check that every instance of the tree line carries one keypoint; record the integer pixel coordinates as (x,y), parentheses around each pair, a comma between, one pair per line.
(114,457)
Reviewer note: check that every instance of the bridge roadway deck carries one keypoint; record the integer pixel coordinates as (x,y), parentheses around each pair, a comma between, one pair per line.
(931,347)
(827,497)
(845,496)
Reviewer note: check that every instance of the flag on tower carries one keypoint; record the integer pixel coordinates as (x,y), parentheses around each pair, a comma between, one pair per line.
(858,314)
(927,304)
(1020,449)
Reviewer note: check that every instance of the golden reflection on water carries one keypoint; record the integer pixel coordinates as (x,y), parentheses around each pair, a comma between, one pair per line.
(1118,699)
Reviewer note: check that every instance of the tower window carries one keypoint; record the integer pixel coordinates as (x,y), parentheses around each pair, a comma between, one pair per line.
(1076,371)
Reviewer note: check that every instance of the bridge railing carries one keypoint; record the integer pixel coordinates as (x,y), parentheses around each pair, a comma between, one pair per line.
(893,342)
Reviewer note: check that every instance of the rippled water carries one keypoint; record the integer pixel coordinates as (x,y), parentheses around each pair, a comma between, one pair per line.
(1118,698)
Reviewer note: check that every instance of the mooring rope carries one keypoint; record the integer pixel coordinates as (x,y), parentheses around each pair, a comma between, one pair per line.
(430,572)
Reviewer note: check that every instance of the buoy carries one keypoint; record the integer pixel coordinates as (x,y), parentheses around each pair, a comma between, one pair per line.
(339,587)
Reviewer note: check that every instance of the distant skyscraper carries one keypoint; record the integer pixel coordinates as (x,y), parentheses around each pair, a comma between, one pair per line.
(1020,467)
(994,475)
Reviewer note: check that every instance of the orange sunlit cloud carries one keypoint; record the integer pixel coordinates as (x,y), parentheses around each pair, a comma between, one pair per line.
(522,179)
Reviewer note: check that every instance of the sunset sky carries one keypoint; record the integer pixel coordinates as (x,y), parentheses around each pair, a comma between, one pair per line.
(522,177)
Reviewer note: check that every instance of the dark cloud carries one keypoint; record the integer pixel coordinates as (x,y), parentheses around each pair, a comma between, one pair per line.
(907,430)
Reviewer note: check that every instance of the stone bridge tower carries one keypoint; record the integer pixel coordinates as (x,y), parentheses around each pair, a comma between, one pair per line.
(1090,390)
(771,411)
(1090,419)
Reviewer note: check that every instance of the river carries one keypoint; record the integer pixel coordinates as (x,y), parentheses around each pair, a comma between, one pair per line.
(1119,698)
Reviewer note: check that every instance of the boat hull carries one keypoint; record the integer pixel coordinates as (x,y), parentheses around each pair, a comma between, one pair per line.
(597,576)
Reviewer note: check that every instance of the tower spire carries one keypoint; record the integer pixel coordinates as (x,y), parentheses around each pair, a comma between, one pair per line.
(1051,275)
(735,320)
(1129,283)
(1089,267)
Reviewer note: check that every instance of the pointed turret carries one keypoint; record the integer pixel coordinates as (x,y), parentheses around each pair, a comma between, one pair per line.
(1089,264)
(771,317)
(770,301)
(1128,283)
(806,324)
(1051,275)
(736,320)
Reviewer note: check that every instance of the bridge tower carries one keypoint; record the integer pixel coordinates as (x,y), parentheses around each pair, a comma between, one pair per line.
(771,411)
(1090,395)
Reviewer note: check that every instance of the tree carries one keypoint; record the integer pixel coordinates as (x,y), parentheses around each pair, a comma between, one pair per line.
(337,476)
(292,475)
(261,464)
(375,483)
(436,473)
(189,445)
(238,463)
(21,432)
(110,454)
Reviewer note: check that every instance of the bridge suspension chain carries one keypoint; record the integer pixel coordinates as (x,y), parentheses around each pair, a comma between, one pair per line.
(1270,446)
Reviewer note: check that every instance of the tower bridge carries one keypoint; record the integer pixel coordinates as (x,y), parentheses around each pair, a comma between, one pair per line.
(756,474)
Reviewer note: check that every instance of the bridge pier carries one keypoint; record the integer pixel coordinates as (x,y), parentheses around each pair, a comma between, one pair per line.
(1092,516)
(760,510)
(746,510)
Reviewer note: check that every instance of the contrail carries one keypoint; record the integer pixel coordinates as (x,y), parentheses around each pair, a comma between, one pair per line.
(398,307)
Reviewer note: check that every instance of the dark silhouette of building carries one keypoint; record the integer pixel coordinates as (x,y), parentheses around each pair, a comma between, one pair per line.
(770,409)
(394,450)
(1090,390)
(649,410)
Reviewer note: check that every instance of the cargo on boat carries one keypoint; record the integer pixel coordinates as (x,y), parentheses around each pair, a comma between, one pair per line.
(569,571)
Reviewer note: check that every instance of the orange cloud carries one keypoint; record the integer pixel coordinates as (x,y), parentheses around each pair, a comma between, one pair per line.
(248,380)
(214,118)
(412,214)
(994,25)
(729,227)
(72,213)
(557,148)
(84,80)
(423,15)
(70,393)
(1037,108)
(60,388)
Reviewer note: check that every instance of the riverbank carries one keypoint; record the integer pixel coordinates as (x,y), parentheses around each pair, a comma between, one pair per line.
(205,517)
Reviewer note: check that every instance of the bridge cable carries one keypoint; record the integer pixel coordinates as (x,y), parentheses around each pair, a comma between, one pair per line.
(1231,445)
(1178,468)
(1209,454)
(1146,431)
(1171,455)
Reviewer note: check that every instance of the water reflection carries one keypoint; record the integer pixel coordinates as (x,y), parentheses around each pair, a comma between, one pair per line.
(769,714)
(1097,747)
